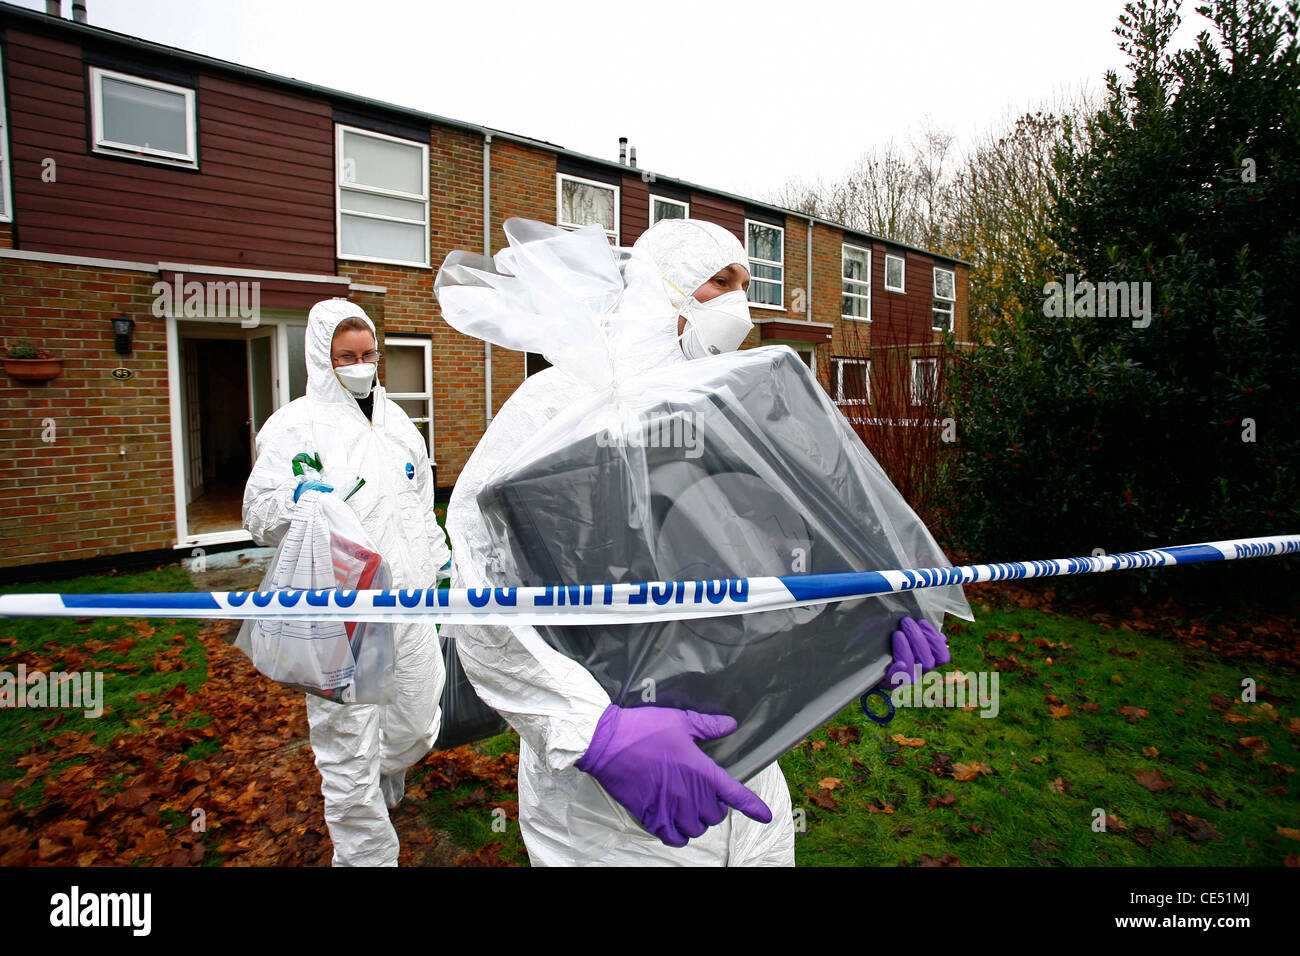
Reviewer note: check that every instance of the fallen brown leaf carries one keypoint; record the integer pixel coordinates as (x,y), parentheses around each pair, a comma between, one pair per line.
(1153,780)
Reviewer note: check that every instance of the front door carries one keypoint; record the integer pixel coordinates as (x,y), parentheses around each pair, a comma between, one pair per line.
(261,383)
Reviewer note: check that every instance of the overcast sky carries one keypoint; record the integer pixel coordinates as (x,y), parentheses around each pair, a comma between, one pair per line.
(741,97)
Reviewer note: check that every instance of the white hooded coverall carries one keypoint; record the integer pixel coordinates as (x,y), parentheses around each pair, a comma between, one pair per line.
(355,744)
(566,817)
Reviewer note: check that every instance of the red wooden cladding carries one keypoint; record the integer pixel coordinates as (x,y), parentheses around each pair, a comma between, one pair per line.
(634,208)
(725,213)
(899,318)
(263,196)
(272,293)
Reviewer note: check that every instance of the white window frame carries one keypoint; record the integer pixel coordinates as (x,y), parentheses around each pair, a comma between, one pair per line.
(846,282)
(916,363)
(402,341)
(187,160)
(754,280)
(340,162)
(559,203)
(685,206)
(902,260)
(7,215)
(838,362)
(944,303)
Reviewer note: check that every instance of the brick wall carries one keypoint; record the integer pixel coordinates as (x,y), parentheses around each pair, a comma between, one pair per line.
(523,185)
(78,496)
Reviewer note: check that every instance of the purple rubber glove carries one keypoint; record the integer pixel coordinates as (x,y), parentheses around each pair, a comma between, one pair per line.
(646,758)
(916,642)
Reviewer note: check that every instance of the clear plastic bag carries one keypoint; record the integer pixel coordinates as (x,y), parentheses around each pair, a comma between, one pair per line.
(661,469)
(325,547)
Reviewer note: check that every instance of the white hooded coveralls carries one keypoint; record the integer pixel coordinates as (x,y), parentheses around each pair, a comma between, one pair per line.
(355,744)
(566,817)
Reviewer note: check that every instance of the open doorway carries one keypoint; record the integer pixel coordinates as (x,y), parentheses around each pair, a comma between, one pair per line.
(227,387)
(217,456)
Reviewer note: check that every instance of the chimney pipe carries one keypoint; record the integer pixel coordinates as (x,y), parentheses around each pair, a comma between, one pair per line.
(632,158)
(79,10)
(54,8)
(622,150)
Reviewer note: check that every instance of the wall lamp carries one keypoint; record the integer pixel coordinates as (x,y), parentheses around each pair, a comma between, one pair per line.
(122,328)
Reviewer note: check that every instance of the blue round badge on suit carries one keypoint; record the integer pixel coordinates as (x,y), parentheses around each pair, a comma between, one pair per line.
(410,470)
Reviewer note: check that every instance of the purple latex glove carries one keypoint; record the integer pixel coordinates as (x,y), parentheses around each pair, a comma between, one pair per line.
(916,642)
(646,758)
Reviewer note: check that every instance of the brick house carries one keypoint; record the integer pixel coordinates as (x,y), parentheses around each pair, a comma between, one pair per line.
(211,204)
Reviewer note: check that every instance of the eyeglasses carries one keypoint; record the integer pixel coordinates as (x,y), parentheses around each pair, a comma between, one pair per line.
(347,358)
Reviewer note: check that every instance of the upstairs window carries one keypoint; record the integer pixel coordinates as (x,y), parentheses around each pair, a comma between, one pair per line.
(766,247)
(855,303)
(895,272)
(382,198)
(585,202)
(663,208)
(142,119)
(945,299)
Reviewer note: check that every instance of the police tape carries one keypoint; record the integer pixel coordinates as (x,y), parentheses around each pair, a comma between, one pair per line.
(611,603)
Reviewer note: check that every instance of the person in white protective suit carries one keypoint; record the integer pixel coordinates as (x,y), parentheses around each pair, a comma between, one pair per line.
(362,750)
(566,816)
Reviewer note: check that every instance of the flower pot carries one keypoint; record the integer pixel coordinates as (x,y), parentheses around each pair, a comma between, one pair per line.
(35,369)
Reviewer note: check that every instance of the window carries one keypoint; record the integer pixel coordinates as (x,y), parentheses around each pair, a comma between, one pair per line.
(894,273)
(382,197)
(856,301)
(6,197)
(534,362)
(585,202)
(661,208)
(852,381)
(809,355)
(143,119)
(408,377)
(945,299)
(766,247)
(925,380)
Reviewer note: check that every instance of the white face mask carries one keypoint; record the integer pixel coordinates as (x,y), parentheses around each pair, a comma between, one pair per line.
(358,379)
(716,326)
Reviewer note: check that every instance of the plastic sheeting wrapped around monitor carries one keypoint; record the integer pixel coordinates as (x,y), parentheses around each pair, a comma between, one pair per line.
(731,466)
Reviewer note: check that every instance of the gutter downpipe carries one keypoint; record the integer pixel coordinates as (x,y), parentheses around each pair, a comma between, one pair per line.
(808,312)
(487,252)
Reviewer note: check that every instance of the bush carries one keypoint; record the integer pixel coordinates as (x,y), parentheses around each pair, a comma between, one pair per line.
(1083,431)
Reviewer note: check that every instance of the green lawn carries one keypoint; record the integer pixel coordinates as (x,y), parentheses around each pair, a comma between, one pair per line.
(1039,782)
(141,660)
